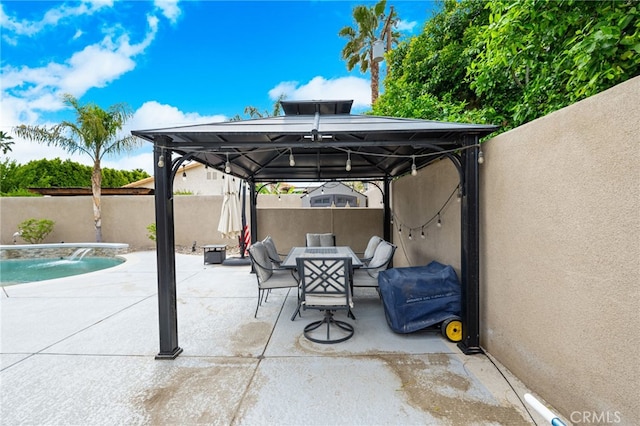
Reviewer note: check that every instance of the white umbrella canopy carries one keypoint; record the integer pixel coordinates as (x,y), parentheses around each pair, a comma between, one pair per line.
(230,225)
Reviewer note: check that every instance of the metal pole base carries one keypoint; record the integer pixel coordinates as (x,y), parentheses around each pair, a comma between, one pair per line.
(469,350)
(170,355)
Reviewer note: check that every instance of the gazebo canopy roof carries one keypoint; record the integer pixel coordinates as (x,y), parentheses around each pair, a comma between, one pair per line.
(320,136)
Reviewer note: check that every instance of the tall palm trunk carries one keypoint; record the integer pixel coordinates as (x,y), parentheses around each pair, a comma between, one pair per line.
(96,191)
(375,77)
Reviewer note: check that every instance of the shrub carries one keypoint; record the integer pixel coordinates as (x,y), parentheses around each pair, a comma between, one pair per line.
(152,231)
(34,231)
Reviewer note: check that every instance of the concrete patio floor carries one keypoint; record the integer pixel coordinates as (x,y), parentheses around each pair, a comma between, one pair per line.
(80,350)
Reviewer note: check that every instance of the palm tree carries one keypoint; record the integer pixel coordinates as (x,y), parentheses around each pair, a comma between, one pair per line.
(371,25)
(94,133)
(254,112)
(5,142)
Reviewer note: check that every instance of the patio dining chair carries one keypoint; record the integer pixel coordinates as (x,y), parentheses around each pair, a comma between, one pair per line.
(325,286)
(268,277)
(371,249)
(367,276)
(320,240)
(272,251)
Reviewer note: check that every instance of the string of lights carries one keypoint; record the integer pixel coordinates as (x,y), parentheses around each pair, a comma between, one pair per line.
(436,218)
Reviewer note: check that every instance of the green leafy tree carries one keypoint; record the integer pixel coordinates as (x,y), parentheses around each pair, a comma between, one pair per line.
(369,27)
(508,62)
(94,133)
(16,179)
(537,57)
(5,142)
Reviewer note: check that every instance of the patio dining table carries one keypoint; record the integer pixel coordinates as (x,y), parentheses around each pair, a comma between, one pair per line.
(339,251)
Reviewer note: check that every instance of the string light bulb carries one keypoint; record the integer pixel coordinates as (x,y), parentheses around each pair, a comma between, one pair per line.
(292,161)
(422,233)
(414,170)
(439,221)
(184,173)
(348,166)
(480,157)
(410,235)
(161,161)
(399,229)
(459,197)
(227,165)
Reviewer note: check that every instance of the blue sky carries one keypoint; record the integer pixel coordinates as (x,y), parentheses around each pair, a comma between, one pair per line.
(174,62)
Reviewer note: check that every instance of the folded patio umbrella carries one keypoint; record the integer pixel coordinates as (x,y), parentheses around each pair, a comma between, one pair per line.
(230,225)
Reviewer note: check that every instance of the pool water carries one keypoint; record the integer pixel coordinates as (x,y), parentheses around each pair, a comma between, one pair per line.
(18,271)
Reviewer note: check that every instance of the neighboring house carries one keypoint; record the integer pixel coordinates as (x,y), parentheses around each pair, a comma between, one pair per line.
(199,180)
(333,194)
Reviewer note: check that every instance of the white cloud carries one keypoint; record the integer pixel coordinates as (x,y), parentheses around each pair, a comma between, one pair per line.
(405,25)
(26,92)
(51,18)
(169,9)
(154,115)
(319,88)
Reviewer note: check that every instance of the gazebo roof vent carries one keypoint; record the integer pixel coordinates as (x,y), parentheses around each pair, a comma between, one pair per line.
(311,107)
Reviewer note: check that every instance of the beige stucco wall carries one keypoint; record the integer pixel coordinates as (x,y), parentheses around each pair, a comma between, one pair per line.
(560,244)
(287,226)
(124,219)
(416,201)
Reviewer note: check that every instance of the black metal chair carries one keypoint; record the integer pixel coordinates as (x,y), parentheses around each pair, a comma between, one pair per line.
(325,286)
(268,277)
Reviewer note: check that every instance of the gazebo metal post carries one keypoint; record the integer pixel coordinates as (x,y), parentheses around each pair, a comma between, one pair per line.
(470,248)
(243,244)
(165,249)
(253,210)
(386,201)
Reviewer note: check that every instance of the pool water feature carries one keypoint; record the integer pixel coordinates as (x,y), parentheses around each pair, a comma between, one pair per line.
(19,271)
(23,263)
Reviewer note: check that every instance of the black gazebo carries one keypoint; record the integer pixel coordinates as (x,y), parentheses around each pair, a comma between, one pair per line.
(317,141)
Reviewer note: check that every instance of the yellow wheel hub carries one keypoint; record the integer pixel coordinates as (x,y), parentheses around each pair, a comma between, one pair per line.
(453,330)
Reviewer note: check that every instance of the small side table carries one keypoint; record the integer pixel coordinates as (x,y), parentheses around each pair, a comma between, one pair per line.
(214,253)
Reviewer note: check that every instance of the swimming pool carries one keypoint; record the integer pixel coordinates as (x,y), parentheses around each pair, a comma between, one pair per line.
(19,271)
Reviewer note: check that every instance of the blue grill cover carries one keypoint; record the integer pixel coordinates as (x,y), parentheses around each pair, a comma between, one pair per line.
(419,296)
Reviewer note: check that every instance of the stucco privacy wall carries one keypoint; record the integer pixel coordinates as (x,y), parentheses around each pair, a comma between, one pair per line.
(416,202)
(352,226)
(125,220)
(560,254)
